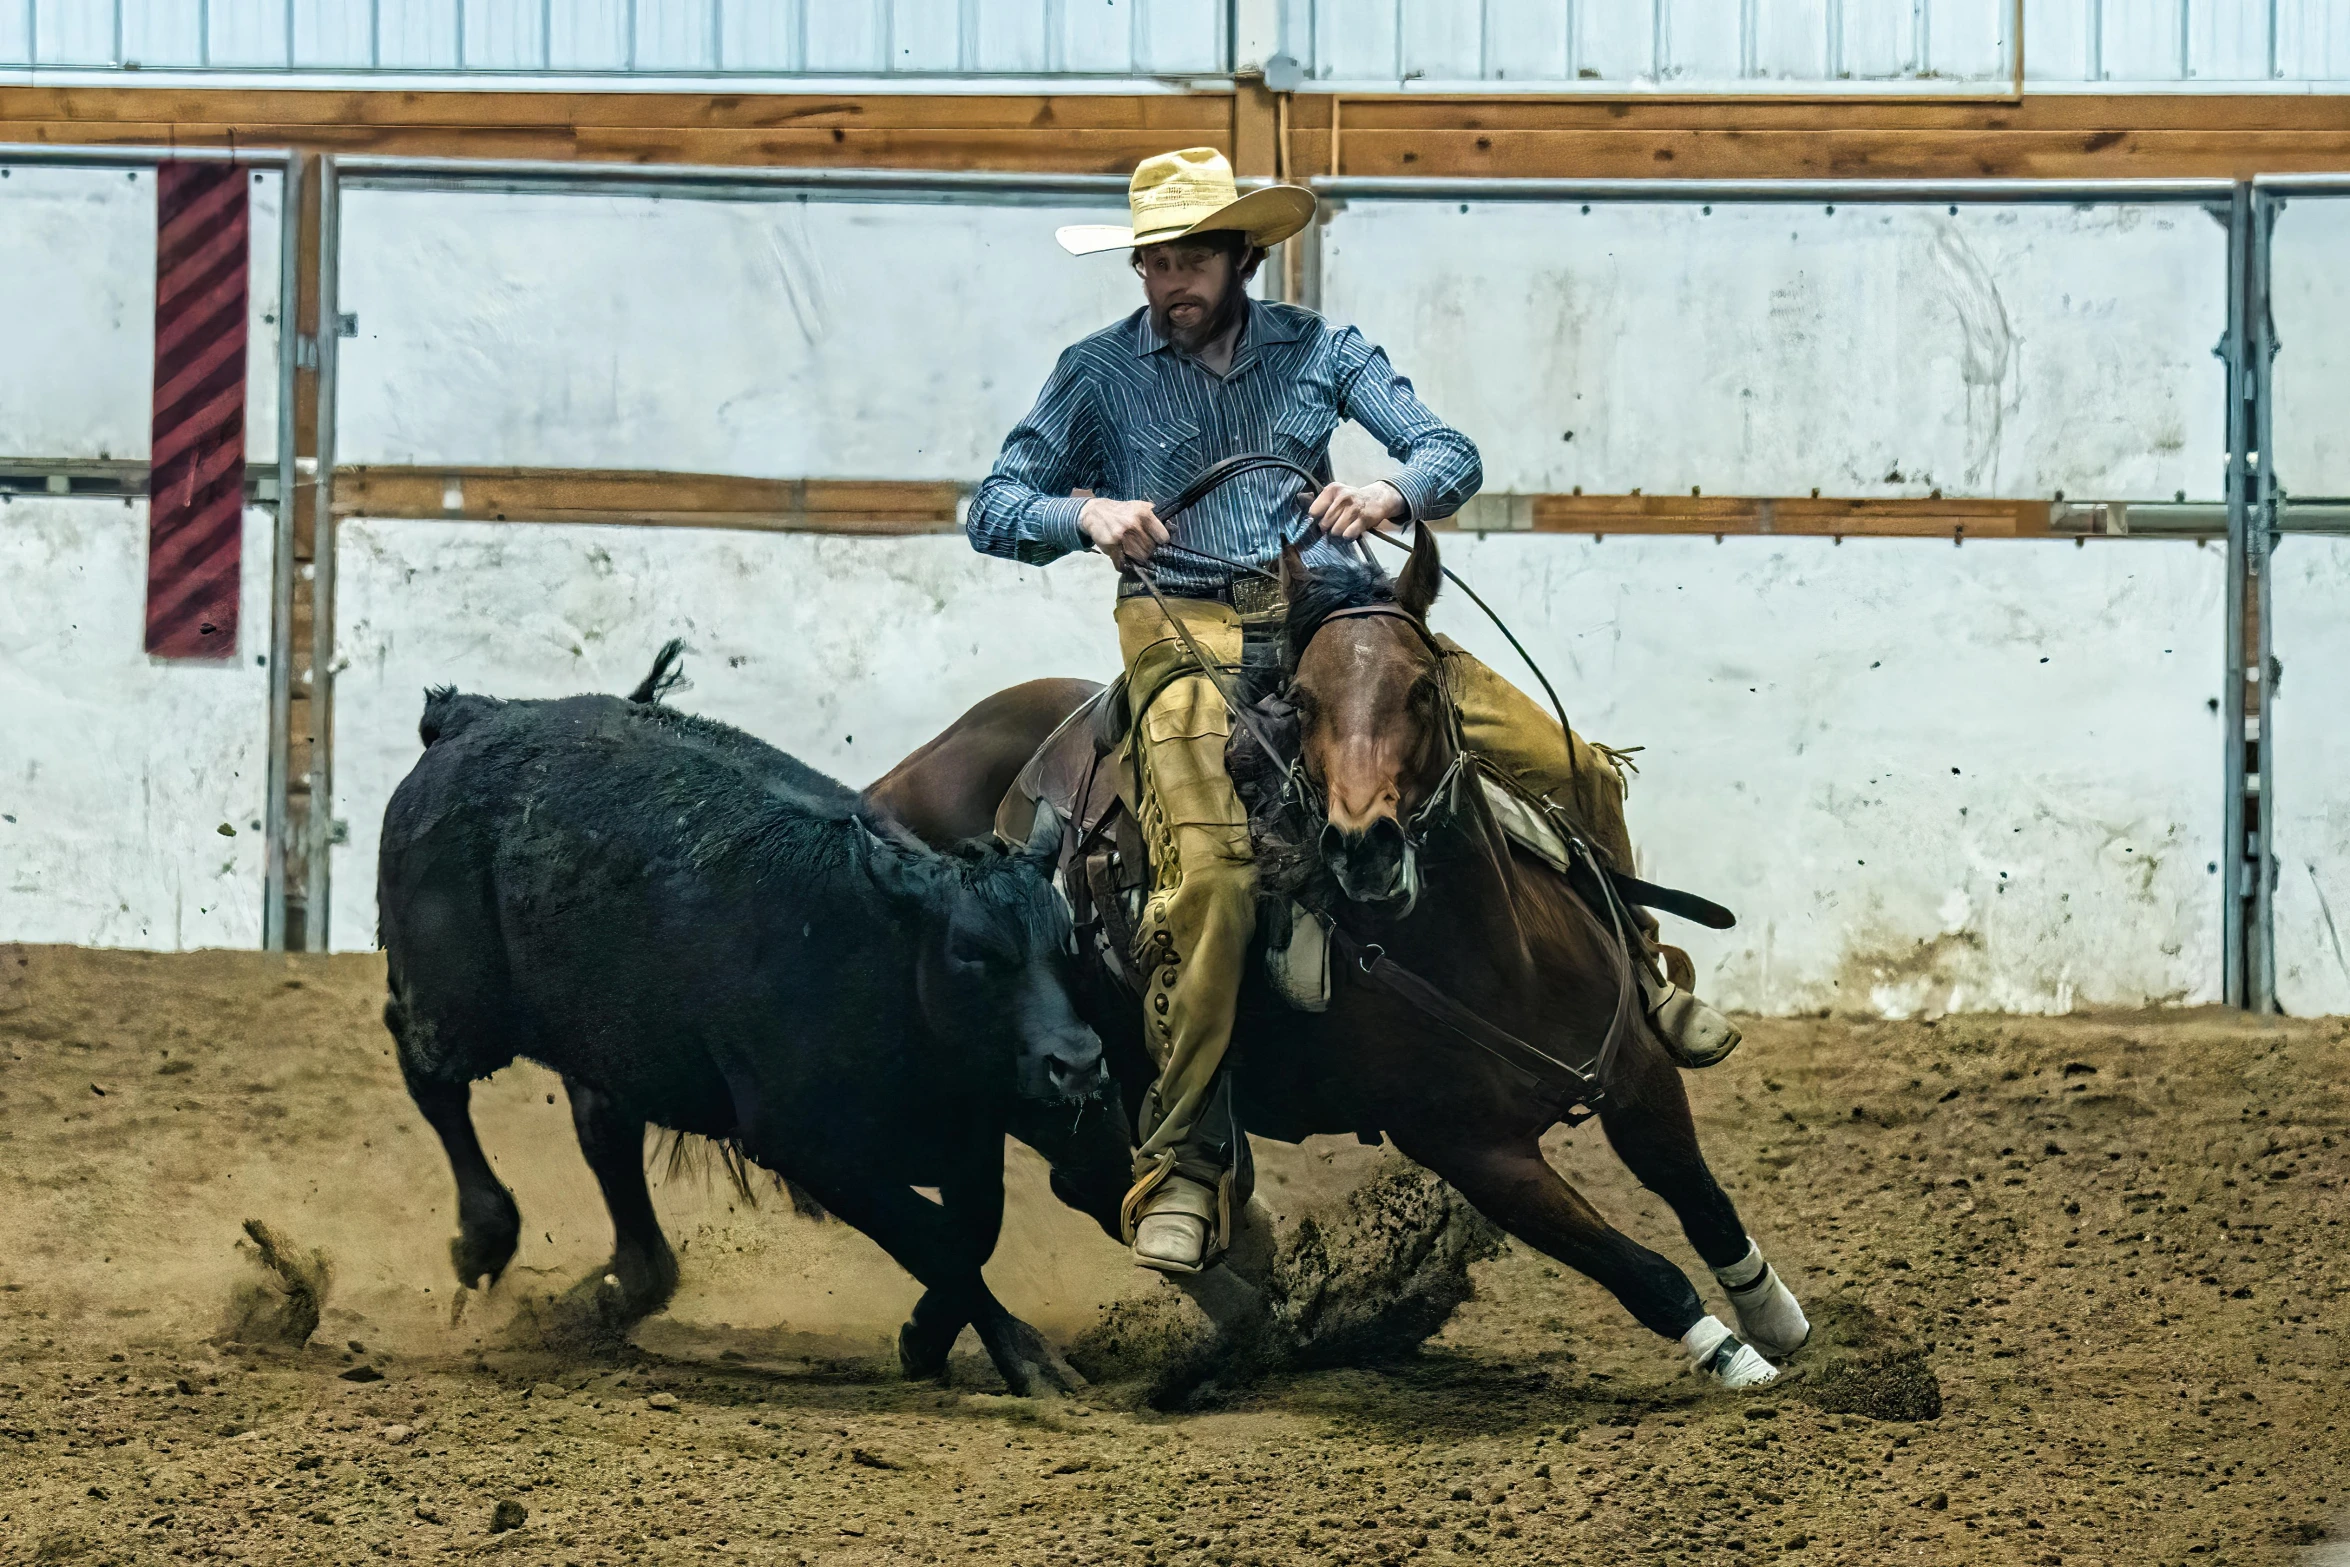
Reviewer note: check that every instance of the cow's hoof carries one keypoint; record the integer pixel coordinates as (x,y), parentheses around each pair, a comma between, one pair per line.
(1030,1366)
(480,1255)
(922,1357)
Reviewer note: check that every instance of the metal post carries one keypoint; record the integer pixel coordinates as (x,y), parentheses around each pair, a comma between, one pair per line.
(2260,693)
(2247,861)
(2233,910)
(282,565)
(320,836)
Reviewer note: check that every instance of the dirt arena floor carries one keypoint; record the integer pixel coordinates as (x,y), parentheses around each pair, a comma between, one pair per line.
(2117,1243)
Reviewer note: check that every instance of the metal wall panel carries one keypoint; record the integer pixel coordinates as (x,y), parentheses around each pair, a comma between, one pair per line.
(845,37)
(1615,42)
(1877,42)
(588,35)
(1179,37)
(676,35)
(416,35)
(72,32)
(1791,40)
(2143,40)
(2311,642)
(162,34)
(785,339)
(2313,39)
(926,35)
(134,788)
(77,290)
(1768,349)
(1097,36)
(1530,40)
(759,35)
(1011,38)
(2309,301)
(1694,44)
(245,32)
(331,34)
(502,35)
(2228,40)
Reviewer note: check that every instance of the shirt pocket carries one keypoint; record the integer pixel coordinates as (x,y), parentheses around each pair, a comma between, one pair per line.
(1170,453)
(1303,435)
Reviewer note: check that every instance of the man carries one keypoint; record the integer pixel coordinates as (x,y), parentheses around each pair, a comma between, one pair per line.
(1132,414)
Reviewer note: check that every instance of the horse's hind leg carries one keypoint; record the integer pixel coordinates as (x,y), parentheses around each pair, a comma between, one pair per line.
(1515,1187)
(1650,1129)
(614,1143)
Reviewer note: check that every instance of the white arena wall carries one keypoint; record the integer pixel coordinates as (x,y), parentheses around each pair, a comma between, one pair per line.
(1928,779)
(117,771)
(1804,703)
(131,788)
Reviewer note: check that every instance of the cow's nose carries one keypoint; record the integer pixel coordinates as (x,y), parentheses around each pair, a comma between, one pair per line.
(1074,1068)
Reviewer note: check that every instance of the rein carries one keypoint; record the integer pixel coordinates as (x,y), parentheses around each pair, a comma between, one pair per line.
(1539,1066)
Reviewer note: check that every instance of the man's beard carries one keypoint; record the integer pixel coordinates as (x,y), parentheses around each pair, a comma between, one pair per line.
(1211,326)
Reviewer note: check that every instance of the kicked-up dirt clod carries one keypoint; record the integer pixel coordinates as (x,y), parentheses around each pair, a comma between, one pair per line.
(2115,1245)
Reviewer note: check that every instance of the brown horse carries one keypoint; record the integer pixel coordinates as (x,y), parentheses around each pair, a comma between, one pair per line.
(1442,892)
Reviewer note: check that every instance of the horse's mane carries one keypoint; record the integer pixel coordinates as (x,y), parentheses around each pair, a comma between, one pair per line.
(1325,591)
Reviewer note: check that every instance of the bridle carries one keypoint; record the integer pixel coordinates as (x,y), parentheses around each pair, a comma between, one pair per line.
(1444,796)
(1543,1071)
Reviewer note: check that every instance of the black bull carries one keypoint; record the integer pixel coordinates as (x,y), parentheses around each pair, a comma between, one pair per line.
(700,932)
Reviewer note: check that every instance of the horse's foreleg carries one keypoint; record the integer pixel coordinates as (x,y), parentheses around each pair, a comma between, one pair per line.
(1517,1189)
(1651,1131)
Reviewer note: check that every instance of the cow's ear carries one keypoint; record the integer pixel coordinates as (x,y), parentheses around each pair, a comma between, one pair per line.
(1423,575)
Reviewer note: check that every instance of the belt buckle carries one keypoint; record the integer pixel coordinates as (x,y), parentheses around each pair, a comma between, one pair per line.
(1254,596)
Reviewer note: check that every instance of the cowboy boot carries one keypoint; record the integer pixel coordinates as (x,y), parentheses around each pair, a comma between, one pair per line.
(1694,1033)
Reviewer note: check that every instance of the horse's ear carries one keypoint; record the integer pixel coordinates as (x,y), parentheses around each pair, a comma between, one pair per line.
(1295,573)
(1423,575)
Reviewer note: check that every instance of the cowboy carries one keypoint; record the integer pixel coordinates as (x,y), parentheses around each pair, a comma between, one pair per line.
(1131,414)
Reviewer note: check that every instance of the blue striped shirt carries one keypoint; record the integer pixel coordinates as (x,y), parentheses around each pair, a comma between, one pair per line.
(1127,415)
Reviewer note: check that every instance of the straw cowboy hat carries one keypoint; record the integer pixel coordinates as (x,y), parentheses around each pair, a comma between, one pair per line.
(1188,192)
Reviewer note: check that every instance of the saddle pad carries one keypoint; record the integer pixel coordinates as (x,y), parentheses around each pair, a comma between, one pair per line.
(1523,824)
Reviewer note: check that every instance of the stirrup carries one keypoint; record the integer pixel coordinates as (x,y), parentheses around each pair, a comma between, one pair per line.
(1163,1193)
(1696,1034)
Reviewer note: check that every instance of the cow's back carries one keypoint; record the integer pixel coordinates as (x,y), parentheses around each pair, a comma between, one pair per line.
(654,902)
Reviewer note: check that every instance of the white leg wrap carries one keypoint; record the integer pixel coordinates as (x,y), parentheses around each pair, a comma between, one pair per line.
(1715,1350)
(1768,1315)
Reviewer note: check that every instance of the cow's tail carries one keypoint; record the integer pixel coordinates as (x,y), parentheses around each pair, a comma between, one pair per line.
(447,711)
(676,1154)
(665,675)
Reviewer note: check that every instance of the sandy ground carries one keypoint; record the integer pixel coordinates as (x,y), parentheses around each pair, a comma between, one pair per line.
(2118,1243)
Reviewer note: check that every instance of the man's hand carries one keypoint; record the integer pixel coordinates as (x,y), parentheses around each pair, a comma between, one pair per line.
(1350,513)
(1129,532)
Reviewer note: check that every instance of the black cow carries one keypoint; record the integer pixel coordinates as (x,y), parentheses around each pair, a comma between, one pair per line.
(700,932)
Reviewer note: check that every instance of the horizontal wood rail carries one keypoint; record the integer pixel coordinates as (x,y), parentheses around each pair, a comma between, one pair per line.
(693,500)
(899,506)
(2070,136)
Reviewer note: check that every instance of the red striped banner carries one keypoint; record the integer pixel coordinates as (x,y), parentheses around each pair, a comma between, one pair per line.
(196,475)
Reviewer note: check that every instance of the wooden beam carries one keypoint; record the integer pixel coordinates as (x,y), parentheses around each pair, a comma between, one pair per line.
(875,506)
(1077,133)
(2072,136)
(903,506)
(1814,516)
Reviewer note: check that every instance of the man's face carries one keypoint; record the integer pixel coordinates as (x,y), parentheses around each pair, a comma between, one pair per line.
(1187,285)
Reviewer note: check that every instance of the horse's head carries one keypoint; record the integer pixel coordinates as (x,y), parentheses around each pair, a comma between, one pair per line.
(1375,722)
